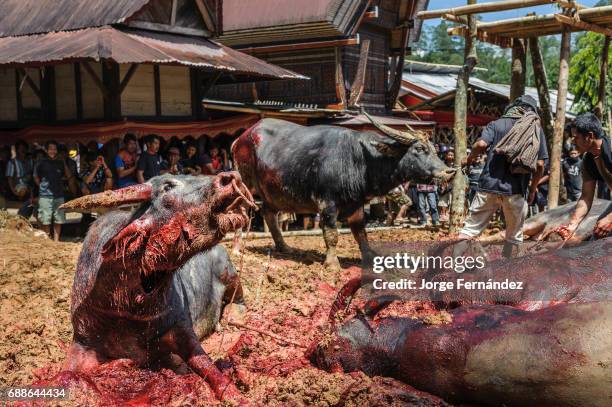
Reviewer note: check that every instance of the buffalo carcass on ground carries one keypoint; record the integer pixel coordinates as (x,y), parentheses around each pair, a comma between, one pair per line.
(330,170)
(151,282)
(489,351)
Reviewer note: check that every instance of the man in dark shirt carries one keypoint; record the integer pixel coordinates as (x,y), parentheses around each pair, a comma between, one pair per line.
(591,141)
(97,177)
(150,163)
(498,186)
(474,176)
(572,174)
(48,175)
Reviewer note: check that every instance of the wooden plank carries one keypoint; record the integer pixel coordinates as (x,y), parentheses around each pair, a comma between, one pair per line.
(481,8)
(8,100)
(339,78)
(138,97)
(48,101)
(78,91)
(174,29)
(519,69)
(206,16)
(65,92)
(457,209)
(572,5)
(393,92)
(456,19)
(110,78)
(157,87)
(96,79)
(555,155)
(18,95)
(541,82)
(600,108)
(173,12)
(299,46)
(30,82)
(127,77)
(582,25)
(358,85)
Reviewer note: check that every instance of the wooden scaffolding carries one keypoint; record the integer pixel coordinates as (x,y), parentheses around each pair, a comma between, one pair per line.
(521,34)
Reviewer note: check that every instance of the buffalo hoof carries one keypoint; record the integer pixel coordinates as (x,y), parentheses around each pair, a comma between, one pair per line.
(284,249)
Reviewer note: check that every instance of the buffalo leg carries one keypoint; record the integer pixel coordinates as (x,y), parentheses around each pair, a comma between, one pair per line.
(357,224)
(271,219)
(329,216)
(183,342)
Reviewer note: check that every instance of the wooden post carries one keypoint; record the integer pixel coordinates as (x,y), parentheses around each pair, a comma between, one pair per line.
(519,69)
(600,108)
(541,82)
(555,153)
(470,60)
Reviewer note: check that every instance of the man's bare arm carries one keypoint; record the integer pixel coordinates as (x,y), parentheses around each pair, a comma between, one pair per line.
(122,172)
(583,206)
(479,147)
(140,176)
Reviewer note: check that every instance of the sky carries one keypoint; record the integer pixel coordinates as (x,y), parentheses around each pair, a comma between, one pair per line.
(500,15)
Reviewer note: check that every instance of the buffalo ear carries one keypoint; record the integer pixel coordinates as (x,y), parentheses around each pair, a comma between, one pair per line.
(110,199)
(389,150)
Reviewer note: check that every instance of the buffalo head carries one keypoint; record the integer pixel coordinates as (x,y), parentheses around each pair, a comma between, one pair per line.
(419,162)
(178,217)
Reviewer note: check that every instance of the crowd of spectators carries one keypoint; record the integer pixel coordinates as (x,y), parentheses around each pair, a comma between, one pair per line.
(42,177)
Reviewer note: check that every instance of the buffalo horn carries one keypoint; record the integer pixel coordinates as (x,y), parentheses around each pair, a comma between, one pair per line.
(399,136)
(110,199)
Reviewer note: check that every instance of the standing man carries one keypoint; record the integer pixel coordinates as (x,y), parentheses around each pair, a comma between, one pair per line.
(499,185)
(591,141)
(125,162)
(572,174)
(19,172)
(48,175)
(150,163)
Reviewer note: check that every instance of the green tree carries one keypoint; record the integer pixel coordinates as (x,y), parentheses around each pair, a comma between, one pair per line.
(584,71)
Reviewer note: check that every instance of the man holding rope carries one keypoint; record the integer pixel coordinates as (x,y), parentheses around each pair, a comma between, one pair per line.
(590,140)
(516,151)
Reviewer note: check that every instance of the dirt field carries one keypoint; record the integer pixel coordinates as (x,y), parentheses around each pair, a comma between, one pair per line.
(287,296)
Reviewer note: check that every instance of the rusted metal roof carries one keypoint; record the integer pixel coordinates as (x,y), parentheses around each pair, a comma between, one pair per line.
(126,46)
(22,17)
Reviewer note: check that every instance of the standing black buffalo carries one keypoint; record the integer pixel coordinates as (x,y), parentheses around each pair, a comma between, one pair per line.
(330,170)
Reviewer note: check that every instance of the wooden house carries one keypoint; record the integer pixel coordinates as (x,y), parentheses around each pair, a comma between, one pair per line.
(96,69)
(352,50)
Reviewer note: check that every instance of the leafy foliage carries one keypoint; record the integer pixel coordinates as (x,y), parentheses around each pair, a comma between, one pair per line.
(436,46)
(584,71)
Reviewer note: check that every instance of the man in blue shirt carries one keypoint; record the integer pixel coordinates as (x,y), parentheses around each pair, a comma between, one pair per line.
(498,186)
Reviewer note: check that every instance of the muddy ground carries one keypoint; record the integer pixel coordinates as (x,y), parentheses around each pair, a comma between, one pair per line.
(287,295)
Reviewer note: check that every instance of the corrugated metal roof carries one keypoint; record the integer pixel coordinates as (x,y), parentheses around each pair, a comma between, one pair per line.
(22,17)
(446,82)
(134,46)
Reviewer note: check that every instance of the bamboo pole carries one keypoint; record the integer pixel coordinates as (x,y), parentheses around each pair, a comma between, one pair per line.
(473,8)
(555,154)
(581,25)
(600,108)
(519,69)
(541,82)
(457,210)
(516,24)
